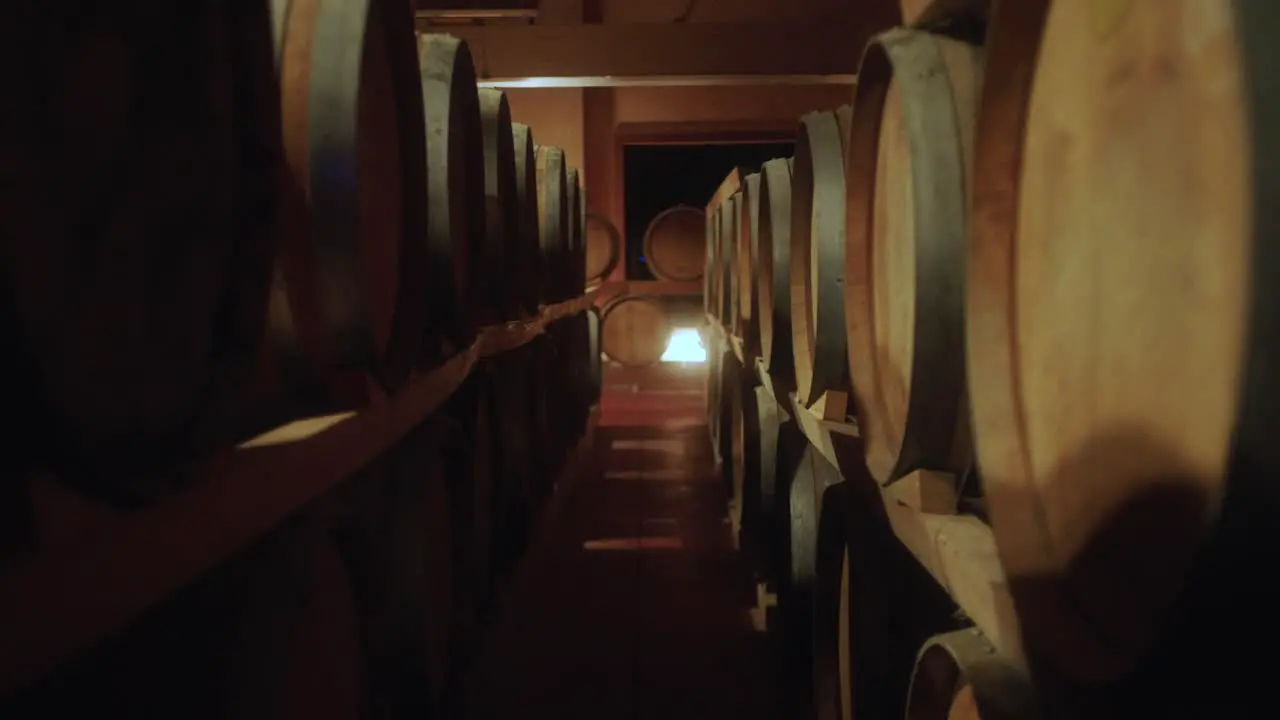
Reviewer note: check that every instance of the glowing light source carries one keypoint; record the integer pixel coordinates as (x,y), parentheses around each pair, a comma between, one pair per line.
(685,346)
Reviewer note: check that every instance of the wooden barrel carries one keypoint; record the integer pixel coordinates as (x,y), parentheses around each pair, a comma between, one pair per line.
(735,478)
(553,220)
(595,370)
(748,234)
(709,276)
(547,427)
(873,610)
(604,248)
(714,281)
(728,436)
(721,308)
(1119,309)
(574,277)
(773,270)
(714,383)
(817,259)
(778,443)
(807,479)
(906,175)
(710,334)
(746,504)
(529,284)
(473,462)
(833,668)
(324,677)
(960,676)
(728,259)
(721,296)
(674,246)
(502,243)
(715,226)
(460,279)
(514,378)
(352,272)
(133,348)
(580,257)
(575,360)
(472,455)
(409,559)
(227,644)
(635,331)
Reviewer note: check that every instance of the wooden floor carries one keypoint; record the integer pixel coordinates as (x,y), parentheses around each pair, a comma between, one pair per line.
(632,604)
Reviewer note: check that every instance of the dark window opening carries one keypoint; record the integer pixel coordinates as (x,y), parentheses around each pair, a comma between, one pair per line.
(657,177)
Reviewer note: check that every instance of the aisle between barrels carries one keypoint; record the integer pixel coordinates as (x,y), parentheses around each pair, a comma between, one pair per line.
(631,603)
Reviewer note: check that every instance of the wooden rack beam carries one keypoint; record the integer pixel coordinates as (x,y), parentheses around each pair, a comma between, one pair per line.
(664,50)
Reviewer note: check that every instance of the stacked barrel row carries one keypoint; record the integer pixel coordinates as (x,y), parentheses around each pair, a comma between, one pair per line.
(636,328)
(1020,289)
(264,213)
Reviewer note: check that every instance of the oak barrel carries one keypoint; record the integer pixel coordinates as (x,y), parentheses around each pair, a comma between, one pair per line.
(960,676)
(354,270)
(873,609)
(553,220)
(907,175)
(222,646)
(714,385)
(547,428)
(747,244)
(747,470)
(133,349)
(461,281)
(736,476)
(571,332)
(709,275)
(575,274)
(717,253)
(715,282)
(1120,304)
(324,676)
(604,248)
(515,378)
(595,370)
(773,270)
(501,251)
(807,477)
(777,442)
(529,253)
(479,474)
(728,436)
(472,453)
(817,258)
(634,331)
(729,276)
(409,563)
(576,362)
(580,257)
(674,246)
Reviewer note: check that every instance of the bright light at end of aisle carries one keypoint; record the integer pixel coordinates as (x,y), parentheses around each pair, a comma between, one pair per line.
(685,346)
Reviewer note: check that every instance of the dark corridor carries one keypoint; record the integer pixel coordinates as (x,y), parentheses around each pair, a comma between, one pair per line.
(654,620)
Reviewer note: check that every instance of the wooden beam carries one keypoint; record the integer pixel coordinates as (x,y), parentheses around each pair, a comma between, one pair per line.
(614,81)
(509,52)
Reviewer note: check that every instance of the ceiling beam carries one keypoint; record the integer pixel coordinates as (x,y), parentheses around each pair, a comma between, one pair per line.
(615,81)
(652,50)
